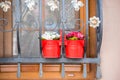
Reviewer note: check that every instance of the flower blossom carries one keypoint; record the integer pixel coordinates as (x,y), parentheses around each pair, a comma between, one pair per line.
(74,36)
(94,22)
(50,35)
(77,4)
(5,5)
(30,4)
(53,4)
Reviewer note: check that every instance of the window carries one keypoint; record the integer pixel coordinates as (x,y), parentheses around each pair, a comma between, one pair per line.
(29,30)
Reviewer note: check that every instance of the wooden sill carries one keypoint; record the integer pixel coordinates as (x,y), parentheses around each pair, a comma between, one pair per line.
(35,68)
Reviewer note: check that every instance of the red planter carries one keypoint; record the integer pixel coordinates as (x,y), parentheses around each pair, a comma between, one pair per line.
(74,48)
(51,48)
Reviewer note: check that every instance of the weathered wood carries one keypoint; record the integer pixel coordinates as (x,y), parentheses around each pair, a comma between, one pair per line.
(47,76)
(8,68)
(83,18)
(92,33)
(8,35)
(1,33)
(92,40)
(46,68)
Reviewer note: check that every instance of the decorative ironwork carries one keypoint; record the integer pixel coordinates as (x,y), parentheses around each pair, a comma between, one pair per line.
(5,22)
(28,23)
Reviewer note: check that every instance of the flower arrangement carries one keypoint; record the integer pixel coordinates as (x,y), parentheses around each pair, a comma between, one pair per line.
(74,45)
(50,36)
(51,44)
(75,36)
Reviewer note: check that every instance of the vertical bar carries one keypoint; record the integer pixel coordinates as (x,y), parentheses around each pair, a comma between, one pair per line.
(87,33)
(63,71)
(87,28)
(40,33)
(98,72)
(84,70)
(63,23)
(41,70)
(40,25)
(18,20)
(18,71)
(63,30)
(100,14)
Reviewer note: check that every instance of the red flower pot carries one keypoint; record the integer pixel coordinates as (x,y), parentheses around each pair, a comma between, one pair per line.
(74,48)
(51,48)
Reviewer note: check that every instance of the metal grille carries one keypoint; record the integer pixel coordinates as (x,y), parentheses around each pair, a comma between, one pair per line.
(28,27)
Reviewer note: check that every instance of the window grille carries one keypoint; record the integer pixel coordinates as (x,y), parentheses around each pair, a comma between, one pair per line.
(31,27)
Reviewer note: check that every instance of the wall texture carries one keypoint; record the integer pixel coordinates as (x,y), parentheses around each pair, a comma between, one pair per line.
(110,51)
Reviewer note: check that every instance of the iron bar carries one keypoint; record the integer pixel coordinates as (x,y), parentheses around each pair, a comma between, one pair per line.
(18,71)
(18,20)
(86,41)
(63,71)
(43,60)
(41,69)
(98,72)
(99,37)
(40,26)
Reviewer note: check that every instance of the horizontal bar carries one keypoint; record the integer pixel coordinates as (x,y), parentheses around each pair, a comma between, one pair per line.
(43,60)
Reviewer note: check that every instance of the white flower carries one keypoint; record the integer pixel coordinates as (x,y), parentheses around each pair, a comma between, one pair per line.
(94,22)
(74,1)
(5,5)
(52,8)
(77,4)
(53,4)
(80,3)
(30,4)
(76,7)
(50,35)
(50,3)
